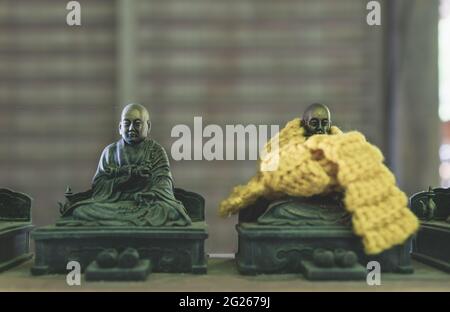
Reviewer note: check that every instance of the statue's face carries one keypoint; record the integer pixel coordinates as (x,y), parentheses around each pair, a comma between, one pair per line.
(134,125)
(317,120)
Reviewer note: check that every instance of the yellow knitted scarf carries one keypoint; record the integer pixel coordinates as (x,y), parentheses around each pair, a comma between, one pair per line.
(338,162)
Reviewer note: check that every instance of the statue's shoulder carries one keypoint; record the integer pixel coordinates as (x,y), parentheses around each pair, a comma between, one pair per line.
(156,152)
(155,146)
(111,147)
(109,151)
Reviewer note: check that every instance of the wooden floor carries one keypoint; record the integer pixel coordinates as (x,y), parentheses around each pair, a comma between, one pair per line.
(223,276)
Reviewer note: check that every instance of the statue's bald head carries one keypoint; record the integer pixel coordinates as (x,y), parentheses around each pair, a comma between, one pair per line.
(136,107)
(316,119)
(134,123)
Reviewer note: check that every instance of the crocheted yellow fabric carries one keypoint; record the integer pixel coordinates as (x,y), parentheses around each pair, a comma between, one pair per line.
(321,164)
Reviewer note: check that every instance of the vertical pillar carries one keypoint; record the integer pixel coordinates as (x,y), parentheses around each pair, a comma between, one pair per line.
(126,53)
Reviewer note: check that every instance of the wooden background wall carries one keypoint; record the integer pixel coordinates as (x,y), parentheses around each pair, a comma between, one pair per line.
(230,62)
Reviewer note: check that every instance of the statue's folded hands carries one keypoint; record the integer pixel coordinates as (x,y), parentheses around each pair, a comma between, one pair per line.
(144,171)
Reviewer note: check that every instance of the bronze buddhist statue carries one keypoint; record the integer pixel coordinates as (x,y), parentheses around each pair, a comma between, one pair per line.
(133,184)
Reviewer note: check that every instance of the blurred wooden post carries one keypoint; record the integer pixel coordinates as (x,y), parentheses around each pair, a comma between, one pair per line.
(126,53)
(414,131)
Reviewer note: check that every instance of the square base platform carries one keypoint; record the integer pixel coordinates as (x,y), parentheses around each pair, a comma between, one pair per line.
(314,273)
(266,249)
(15,243)
(169,249)
(138,273)
(432,244)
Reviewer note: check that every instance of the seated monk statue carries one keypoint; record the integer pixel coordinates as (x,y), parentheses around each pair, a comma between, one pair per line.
(325,177)
(133,184)
(316,210)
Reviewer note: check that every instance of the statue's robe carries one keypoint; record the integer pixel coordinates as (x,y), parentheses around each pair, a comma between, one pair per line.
(122,198)
(316,210)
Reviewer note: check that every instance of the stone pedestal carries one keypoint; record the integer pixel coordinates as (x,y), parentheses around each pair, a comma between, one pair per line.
(14,244)
(265,249)
(432,243)
(169,249)
(15,227)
